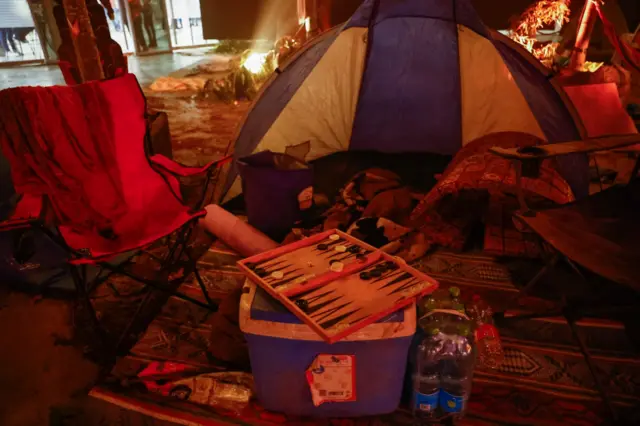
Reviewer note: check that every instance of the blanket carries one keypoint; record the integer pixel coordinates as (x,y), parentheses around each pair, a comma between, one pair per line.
(477,189)
(481,187)
(58,141)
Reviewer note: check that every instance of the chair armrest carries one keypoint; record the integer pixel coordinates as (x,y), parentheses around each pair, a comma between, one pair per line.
(541,152)
(166,165)
(28,210)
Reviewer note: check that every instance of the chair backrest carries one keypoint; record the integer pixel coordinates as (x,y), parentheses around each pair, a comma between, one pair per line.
(142,186)
(94,154)
(600,109)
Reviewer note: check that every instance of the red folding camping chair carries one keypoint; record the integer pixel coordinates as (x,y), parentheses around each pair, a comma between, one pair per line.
(140,198)
(598,237)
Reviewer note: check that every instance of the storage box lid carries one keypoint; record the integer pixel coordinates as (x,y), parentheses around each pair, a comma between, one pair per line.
(263,315)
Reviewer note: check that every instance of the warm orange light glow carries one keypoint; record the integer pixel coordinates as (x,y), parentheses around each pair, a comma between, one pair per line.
(255,62)
(541,14)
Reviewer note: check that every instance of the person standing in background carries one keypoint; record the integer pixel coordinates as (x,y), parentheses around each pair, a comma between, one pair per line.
(135,7)
(147,15)
(13,15)
(8,41)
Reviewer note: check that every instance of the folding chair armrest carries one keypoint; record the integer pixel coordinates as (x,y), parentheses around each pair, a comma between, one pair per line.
(28,210)
(605,143)
(165,165)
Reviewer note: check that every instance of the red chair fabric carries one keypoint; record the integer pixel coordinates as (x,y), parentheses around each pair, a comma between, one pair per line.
(170,168)
(138,202)
(58,141)
(600,109)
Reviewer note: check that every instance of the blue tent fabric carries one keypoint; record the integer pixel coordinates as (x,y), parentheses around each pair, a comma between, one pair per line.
(393,106)
(410,97)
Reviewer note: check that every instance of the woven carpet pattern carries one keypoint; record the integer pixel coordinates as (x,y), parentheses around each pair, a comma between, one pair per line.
(544,379)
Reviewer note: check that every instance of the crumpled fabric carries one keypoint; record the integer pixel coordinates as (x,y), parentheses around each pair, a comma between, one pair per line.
(480,187)
(374,206)
(477,189)
(58,141)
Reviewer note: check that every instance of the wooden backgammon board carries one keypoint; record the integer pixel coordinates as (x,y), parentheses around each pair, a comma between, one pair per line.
(335,283)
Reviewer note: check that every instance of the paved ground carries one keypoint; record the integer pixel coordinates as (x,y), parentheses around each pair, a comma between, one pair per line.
(146,68)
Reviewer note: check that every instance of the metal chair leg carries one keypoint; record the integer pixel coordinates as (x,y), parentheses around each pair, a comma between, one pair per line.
(132,321)
(84,299)
(606,398)
(158,286)
(203,287)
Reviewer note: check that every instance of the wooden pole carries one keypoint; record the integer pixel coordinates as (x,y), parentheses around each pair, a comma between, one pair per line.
(583,36)
(84,40)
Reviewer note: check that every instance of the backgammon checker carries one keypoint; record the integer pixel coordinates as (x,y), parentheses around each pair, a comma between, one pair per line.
(335,283)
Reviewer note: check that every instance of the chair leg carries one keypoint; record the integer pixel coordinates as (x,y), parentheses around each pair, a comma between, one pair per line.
(158,286)
(203,287)
(606,398)
(193,263)
(500,318)
(83,295)
(132,321)
(182,238)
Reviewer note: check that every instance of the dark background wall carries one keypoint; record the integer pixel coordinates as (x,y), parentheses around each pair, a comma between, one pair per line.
(497,13)
(248,19)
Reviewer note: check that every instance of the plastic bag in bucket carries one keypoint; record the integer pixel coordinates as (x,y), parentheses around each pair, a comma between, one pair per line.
(271,184)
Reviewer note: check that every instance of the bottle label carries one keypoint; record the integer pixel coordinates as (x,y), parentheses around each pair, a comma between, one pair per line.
(486,331)
(426,403)
(451,403)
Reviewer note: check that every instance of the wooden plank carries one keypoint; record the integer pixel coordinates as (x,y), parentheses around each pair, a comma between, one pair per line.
(540,152)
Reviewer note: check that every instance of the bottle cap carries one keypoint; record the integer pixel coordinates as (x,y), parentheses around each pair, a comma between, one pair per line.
(476,298)
(454,291)
(430,304)
(464,330)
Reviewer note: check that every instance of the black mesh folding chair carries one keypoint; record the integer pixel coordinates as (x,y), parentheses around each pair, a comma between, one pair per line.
(598,237)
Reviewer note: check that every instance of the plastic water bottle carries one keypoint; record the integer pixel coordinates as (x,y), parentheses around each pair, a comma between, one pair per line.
(490,352)
(426,379)
(457,368)
(448,355)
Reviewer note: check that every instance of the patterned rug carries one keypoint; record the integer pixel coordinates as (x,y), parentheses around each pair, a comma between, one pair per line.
(544,379)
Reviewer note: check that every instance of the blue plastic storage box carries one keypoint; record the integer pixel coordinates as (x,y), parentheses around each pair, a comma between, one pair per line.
(281,348)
